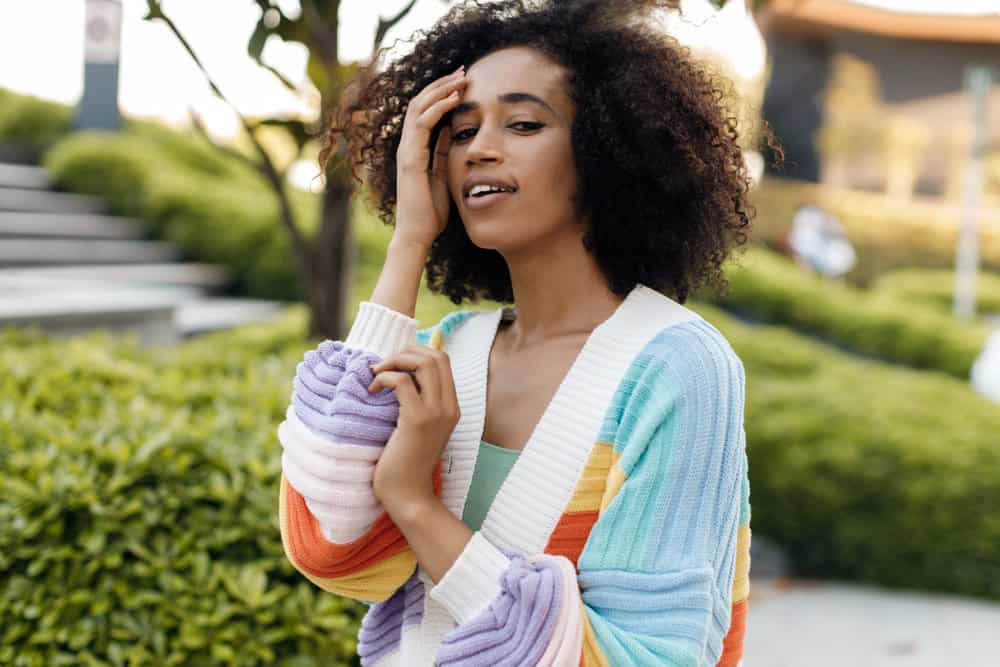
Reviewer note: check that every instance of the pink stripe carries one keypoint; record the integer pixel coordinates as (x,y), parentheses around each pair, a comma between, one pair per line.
(334,479)
(567,640)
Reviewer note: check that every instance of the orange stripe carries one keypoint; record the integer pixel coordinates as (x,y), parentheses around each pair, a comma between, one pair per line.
(732,645)
(313,553)
(570,535)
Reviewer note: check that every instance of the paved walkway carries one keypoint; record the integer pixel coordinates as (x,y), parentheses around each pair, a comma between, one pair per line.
(793,623)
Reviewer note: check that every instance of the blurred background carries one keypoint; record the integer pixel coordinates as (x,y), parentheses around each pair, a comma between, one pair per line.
(169,250)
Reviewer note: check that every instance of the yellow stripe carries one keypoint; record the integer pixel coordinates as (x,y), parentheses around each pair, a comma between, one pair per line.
(590,488)
(616,477)
(592,655)
(741,579)
(437,340)
(372,584)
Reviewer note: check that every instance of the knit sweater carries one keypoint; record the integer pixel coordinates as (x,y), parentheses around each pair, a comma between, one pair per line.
(620,537)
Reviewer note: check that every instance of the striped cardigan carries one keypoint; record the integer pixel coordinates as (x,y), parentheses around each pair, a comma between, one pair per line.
(620,537)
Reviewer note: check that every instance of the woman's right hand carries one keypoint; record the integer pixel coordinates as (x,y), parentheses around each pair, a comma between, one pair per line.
(422,199)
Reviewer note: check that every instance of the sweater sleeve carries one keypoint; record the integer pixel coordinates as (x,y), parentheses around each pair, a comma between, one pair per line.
(333,528)
(654,584)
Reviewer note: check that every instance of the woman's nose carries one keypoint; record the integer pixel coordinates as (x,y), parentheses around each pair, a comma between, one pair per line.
(485,147)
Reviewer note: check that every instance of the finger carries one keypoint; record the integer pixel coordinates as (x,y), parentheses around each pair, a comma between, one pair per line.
(429,118)
(446,381)
(436,90)
(402,384)
(421,361)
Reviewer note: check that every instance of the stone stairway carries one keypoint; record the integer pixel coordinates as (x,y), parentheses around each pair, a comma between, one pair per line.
(68,267)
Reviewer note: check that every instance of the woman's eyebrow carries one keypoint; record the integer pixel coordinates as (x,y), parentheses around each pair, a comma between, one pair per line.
(507,98)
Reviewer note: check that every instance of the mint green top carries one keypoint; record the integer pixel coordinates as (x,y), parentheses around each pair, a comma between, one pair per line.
(492,465)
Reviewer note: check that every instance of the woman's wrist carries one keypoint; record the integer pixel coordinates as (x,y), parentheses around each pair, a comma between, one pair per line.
(401,244)
(406,511)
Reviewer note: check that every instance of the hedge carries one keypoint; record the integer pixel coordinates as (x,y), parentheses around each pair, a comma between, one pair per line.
(937,288)
(138,505)
(31,123)
(768,287)
(866,471)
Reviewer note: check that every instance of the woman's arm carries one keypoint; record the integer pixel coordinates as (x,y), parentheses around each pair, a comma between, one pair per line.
(333,528)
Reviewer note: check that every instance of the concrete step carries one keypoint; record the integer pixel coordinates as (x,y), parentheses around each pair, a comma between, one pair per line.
(211,314)
(29,252)
(158,314)
(25,224)
(25,199)
(23,176)
(148,312)
(207,277)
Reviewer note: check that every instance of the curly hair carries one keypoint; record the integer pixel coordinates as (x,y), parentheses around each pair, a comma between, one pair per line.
(660,172)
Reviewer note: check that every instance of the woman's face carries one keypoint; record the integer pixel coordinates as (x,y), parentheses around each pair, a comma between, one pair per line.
(512,130)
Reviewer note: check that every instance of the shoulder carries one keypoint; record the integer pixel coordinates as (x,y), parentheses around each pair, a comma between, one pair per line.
(686,387)
(697,353)
(439,334)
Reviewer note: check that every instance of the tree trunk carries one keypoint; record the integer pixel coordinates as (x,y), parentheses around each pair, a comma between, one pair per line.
(331,274)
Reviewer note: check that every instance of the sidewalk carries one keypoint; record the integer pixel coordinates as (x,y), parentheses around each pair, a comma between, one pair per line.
(825,624)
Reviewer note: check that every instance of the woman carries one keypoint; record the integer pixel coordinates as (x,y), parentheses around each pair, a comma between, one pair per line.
(564,483)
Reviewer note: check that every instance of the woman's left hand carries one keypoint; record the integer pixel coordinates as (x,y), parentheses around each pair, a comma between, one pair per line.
(428,413)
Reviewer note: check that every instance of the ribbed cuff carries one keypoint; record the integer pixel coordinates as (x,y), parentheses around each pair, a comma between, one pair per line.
(473,581)
(381,330)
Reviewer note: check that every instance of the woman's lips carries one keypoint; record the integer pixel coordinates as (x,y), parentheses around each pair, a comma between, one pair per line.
(485,201)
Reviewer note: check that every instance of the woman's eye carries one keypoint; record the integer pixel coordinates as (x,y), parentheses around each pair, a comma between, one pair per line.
(522,125)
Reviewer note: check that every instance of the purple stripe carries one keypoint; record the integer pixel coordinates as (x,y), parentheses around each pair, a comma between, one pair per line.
(382,626)
(518,625)
(413,602)
(331,396)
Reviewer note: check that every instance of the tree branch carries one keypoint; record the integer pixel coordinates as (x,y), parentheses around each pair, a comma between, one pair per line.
(324,35)
(385,25)
(231,152)
(265,166)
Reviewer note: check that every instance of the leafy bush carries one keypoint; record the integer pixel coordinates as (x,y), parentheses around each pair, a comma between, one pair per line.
(937,288)
(866,471)
(771,288)
(138,512)
(32,122)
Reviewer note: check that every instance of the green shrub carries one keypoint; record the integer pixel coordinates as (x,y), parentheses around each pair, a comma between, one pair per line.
(193,152)
(113,166)
(31,121)
(771,288)
(937,288)
(866,471)
(138,505)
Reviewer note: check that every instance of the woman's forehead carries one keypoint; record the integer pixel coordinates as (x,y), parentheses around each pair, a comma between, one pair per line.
(518,69)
